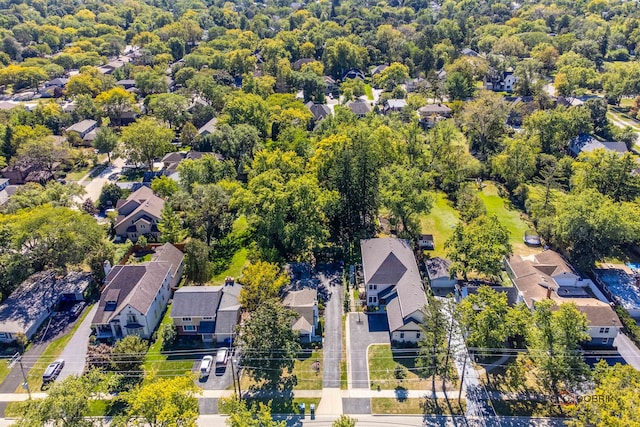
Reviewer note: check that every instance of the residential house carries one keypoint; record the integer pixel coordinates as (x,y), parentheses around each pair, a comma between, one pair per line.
(469,52)
(548,276)
(430,114)
(353,74)
(86,129)
(171,161)
(135,296)
(211,312)
(305,303)
(359,107)
(438,273)
(519,107)
(22,172)
(127,83)
(319,111)
(501,82)
(31,304)
(138,215)
(331,86)
(59,82)
(394,105)
(297,65)
(392,281)
(208,128)
(426,241)
(584,143)
(6,191)
(378,69)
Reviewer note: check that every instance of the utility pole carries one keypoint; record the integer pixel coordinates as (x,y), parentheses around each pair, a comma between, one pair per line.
(464,368)
(18,358)
(233,375)
(237,376)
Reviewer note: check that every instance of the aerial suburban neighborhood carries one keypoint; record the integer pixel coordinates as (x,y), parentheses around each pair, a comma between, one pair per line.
(272,213)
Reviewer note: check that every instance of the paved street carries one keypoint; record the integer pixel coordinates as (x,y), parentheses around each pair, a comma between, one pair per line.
(364,330)
(75,353)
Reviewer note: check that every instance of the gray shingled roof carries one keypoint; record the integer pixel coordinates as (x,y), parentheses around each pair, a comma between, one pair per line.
(359,107)
(196,301)
(437,268)
(391,262)
(169,254)
(302,298)
(82,127)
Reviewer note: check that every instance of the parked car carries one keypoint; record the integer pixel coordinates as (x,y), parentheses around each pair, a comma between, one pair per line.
(52,371)
(205,366)
(77,309)
(221,359)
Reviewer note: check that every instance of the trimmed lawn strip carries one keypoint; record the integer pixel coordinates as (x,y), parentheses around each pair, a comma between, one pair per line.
(307,378)
(440,222)
(97,408)
(156,361)
(51,353)
(382,364)
(389,405)
(527,408)
(368,91)
(4,371)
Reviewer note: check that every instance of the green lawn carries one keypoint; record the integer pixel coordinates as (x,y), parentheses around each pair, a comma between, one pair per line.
(440,222)
(239,259)
(382,405)
(368,91)
(282,405)
(51,353)
(159,363)
(512,218)
(382,363)
(77,174)
(306,375)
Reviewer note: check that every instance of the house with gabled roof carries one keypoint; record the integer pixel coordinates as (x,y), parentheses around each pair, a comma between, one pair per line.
(210,312)
(548,276)
(138,215)
(135,296)
(304,303)
(393,283)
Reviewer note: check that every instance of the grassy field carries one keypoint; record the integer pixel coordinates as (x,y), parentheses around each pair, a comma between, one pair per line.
(239,259)
(382,405)
(51,353)
(306,375)
(368,91)
(157,362)
(382,363)
(440,222)
(512,218)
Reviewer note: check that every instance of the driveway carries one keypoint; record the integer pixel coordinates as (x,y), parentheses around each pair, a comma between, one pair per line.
(75,353)
(364,330)
(332,348)
(220,379)
(627,350)
(93,188)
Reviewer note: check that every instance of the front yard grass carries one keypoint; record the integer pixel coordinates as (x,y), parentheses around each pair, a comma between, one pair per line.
(51,353)
(368,91)
(161,364)
(281,405)
(306,376)
(382,364)
(440,222)
(389,405)
(509,216)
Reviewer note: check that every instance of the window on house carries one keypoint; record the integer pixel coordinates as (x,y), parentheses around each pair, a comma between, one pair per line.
(141,225)
(375,287)
(3,335)
(604,330)
(131,318)
(189,328)
(186,319)
(207,318)
(401,335)
(418,335)
(605,340)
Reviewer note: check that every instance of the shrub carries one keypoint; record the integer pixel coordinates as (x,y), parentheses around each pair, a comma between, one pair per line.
(169,333)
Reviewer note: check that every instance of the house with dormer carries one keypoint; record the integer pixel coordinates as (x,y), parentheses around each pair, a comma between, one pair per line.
(548,275)
(138,215)
(393,284)
(135,296)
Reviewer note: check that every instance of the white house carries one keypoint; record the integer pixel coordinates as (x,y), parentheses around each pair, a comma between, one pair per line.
(548,276)
(392,282)
(136,295)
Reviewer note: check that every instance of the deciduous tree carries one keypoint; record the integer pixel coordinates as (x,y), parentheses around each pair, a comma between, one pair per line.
(261,281)
(145,140)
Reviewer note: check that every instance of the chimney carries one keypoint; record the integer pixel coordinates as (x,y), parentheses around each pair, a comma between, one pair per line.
(228,281)
(107,267)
